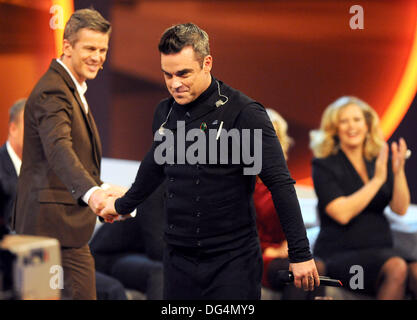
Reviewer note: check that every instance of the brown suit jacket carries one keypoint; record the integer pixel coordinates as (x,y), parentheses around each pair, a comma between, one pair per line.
(61,162)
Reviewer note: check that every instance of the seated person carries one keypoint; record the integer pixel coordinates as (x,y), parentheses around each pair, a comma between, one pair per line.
(355,179)
(10,162)
(273,243)
(131,250)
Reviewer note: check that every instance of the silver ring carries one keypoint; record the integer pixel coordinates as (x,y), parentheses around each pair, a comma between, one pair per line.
(407,154)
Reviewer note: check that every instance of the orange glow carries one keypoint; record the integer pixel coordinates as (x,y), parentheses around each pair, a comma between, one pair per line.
(305,182)
(403,96)
(67,9)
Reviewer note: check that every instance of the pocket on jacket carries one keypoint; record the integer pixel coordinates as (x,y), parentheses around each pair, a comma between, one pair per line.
(55,196)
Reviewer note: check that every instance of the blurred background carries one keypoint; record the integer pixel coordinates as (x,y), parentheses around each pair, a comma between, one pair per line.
(295,56)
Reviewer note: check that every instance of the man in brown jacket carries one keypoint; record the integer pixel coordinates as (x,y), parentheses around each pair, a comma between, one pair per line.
(59,187)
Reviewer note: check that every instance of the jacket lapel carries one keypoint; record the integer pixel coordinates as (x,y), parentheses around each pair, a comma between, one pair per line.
(96,138)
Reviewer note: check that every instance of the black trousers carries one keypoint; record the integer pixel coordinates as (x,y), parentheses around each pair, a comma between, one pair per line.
(222,273)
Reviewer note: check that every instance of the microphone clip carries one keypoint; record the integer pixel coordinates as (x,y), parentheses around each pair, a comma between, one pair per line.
(219,103)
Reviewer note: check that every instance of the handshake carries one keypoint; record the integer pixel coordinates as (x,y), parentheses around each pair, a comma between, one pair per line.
(102,201)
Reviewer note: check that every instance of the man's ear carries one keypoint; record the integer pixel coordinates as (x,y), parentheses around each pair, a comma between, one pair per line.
(12,129)
(66,48)
(207,63)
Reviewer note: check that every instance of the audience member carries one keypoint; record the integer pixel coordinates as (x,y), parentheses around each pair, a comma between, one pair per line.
(10,162)
(355,179)
(273,242)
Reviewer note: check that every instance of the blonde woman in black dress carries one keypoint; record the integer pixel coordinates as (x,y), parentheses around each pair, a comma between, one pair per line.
(355,177)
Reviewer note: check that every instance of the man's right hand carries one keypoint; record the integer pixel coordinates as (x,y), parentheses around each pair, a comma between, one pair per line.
(97,201)
(109,213)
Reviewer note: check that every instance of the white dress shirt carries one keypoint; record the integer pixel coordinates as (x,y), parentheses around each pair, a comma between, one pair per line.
(17,162)
(81,88)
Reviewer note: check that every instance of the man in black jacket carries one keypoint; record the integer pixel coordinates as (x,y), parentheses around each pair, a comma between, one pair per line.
(207,136)
(10,161)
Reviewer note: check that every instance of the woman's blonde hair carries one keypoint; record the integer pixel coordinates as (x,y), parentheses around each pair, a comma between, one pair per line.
(281,129)
(325,141)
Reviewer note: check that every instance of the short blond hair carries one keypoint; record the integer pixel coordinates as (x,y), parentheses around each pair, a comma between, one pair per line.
(85,19)
(324,141)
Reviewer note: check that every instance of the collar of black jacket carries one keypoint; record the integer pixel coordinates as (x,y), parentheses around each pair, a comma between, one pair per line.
(196,109)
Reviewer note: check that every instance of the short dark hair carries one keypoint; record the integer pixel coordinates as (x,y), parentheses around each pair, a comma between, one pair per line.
(179,36)
(15,109)
(85,19)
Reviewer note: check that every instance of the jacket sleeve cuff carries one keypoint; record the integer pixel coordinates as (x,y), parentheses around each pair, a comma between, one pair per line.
(87,195)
